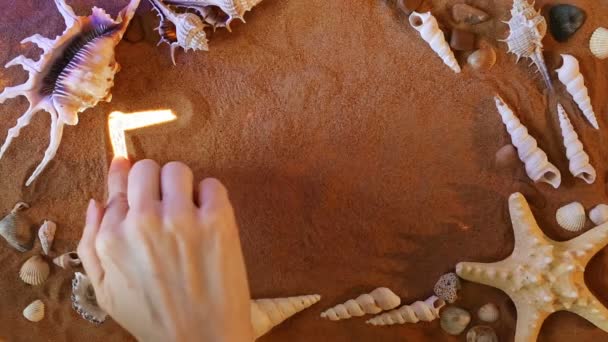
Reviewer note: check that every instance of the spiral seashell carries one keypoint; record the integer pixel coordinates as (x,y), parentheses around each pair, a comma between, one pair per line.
(454,320)
(538,167)
(599,214)
(481,333)
(419,311)
(427,25)
(488,313)
(579,159)
(268,313)
(375,302)
(34,271)
(570,75)
(34,312)
(84,300)
(208,9)
(447,287)
(67,260)
(599,43)
(15,228)
(571,217)
(46,234)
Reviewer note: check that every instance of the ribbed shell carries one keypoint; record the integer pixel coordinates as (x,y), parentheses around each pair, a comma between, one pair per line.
(15,228)
(374,302)
(34,312)
(34,271)
(570,75)
(84,300)
(599,214)
(599,43)
(571,217)
(426,25)
(488,313)
(579,160)
(419,311)
(46,234)
(268,313)
(454,320)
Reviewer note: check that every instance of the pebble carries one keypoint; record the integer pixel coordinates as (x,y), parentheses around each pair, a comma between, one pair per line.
(462,40)
(565,20)
(482,59)
(463,13)
(135,31)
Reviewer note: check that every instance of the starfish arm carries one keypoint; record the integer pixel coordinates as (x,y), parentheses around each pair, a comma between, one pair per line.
(585,246)
(529,322)
(588,307)
(525,229)
(491,274)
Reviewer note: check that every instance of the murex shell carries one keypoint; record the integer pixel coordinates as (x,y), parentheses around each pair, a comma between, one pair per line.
(447,287)
(84,300)
(571,217)
(34,312)
(218,13)
(599,43)
(46,234)
(67,260)
(599,214)
(75,71)
(15,228)
(454,320)
(34,271)
(488,313)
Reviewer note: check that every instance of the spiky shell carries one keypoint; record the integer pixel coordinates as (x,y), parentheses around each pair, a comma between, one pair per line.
(571,217)
(453,320)
(268,313)
(34,271)
(599,214)
(84,300)
(15,228)
(67,260)
(232,9)
(599,43)
(488,313)
(34,312)
(46,234)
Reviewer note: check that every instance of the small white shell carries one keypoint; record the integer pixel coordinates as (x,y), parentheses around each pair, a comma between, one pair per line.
(426,24)
(34,271)
(489,313)
(599,214)
(374,302)
(570,75)
(571,217)
(34,312)
(67,260)
(84,300)
(579,164)
(599,43)
(454,320)
(46,234)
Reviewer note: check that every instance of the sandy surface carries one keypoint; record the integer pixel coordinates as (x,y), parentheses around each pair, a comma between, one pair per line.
(354,158)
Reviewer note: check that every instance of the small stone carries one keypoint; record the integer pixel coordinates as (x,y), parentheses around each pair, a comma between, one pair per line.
(447,287)
(565,20)
(409,6)
(482,59)
(463,13)
(507,158)
(462,40)
(135,31)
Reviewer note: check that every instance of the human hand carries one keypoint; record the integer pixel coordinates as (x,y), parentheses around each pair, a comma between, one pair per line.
(163,267)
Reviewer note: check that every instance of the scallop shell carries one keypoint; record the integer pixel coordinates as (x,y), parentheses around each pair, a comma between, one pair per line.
(268,313)
(454,320)
(488,313)
(15,228)
(208,9)
(599,43)
(84,300)
(34,312)
(447,287)
(571,217)
(46,234)
(34,271)
(481,333)
(67,260)
(426,24)
(374,302)
(599,214)
(75,72)
(579,164)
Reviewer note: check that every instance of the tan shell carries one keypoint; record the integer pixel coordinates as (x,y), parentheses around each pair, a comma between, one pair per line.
(46,234)
(426,25)
(34,312)
(419,311)
(375,302)
(454,320)
(579,164)
(447,287)
(489,313)
(570,75)
(67,260)
(34,271)
(599,43)
(571,217)
(599,214)
(268,313)
(481,333)
(482,59)
(15,228)
(84,300)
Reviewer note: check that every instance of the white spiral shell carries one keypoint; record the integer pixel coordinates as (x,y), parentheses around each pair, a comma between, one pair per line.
(427,25)
(571,217)
(538,167)
(374,302)
(578,158)
(599,214)
(34,271)
(34,312)
(268,313)
(46,234)
(419,311)
(599,43)
(570,75)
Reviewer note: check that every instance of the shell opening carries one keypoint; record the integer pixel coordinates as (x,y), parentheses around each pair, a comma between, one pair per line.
(416,20)
(589,178)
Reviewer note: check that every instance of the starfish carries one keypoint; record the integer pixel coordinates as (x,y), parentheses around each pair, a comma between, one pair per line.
(542,276)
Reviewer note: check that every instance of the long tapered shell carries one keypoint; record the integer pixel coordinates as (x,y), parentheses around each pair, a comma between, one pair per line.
(46,234)
(34,271)
(570,75)
(427,25)
(578,158)
(538,167)
(599,43)
(34,312)
(268,313)
(599,214)
(571,217)
(419,311)
(15,228)
(374,302)
(67,260)
(84,300)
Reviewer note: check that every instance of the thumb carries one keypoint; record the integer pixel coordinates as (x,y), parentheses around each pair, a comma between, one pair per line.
(86,248)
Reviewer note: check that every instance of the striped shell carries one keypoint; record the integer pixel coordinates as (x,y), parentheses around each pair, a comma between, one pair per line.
(488,313)
(599,43)
(453,320)
(34,271)
(571,217)
(599,214)
(67,260)
(15,228)
(84,300)
(34,312)
(46,234)
(374,302)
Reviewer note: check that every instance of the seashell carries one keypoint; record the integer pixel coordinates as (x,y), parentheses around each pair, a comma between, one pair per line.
(15,228)
(454,320)
(565,20)
(447,287)
(268,313)
(419,311)
(84,300)
(463,13)
(185,30)
(579,159)
(599,43)
(569,74)
(34,312)
(599,214)
(482,59)
(488,313)
(427,25)
(218,13)
(375,302)
(34,271)
(571,217)
(461,40)
(527,27)
(46,234)
(538,167)
(74,73)
(481,333)
(67,260)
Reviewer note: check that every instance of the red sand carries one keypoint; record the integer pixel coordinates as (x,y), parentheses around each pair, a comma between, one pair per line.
(354,158)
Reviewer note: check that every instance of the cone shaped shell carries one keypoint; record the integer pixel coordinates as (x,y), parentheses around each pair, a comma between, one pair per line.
(599,43)
(46,234)
(419,311)
(428,28)
(374,302)
(579,165)
(599,214)
(488,313)
(34,271)
(67,260)
(268,313)
(570,75)
(34,312)
(571,217)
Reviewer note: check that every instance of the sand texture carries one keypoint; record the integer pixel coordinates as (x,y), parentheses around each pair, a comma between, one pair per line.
(354,157)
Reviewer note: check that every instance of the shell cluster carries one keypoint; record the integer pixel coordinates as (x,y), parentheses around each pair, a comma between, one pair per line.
(34,271)
(571,217)
(84,300)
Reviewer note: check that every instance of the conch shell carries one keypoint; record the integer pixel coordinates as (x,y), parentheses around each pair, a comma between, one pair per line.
(599,43)
(84,300)
(268,313)
(34,312)
(538,167)
(67,260)
(218,13)
(46,234)
(16,230)
(184,30)
(34,271)
(427,25)
(74,73)
(419,311)
(570,75)
(571,217)
(375,302)
(579,159)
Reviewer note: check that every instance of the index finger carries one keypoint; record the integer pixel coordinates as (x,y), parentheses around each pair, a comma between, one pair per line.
(118,175)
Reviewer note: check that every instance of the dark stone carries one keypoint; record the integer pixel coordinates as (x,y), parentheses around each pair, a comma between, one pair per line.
(462,40)
(565,20)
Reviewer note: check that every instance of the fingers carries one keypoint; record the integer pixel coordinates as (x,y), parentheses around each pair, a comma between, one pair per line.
(177,185)
(144,185)
(212,196)
(86,248)
(117,206)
